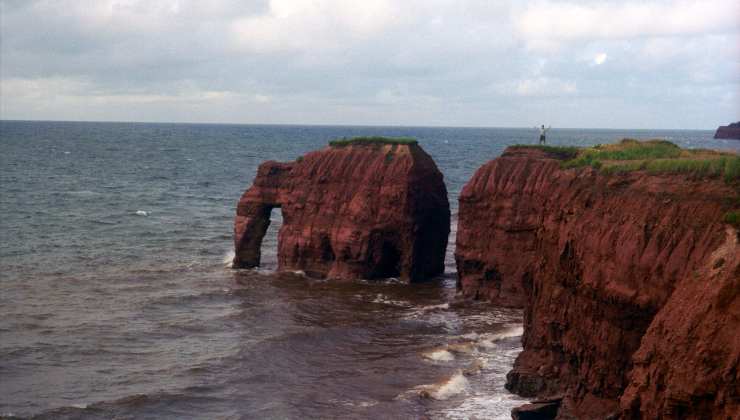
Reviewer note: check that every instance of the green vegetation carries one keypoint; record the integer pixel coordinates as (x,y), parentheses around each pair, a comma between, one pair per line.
(656,157)
(374,140)
(733,218)
(559,152)
(727,167)
(629,149)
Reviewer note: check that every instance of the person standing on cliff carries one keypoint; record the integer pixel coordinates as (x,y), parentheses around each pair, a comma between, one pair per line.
(543,130)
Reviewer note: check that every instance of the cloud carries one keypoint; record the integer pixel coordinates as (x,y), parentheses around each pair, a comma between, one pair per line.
(48,93)
(537,87)
(298,24)
(599,59)
(413,62)
(542,23)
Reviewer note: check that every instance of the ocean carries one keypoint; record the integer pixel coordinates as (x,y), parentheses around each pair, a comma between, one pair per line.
(117,301)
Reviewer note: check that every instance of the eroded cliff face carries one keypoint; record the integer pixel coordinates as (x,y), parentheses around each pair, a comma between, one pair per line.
(730,131)
(358,211)
(629,285)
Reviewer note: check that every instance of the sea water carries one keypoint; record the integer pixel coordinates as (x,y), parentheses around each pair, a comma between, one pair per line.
(116,299)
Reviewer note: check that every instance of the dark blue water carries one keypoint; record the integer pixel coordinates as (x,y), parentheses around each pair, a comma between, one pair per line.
(116,301)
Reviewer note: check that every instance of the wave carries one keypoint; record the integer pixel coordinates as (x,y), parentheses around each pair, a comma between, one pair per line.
(104,222)
(142,213)
(217,295)
(381,298)
(439,355)
(228,259)
(137,403)
(454,385)
(470,343)
(82,193)
(435,307)
(462,348)
(489,340)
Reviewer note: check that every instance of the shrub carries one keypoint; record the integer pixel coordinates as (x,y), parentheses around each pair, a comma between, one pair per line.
(733,218)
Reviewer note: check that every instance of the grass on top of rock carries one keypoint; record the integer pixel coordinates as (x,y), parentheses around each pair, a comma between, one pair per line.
(656,157)
(372,140)
(559,152)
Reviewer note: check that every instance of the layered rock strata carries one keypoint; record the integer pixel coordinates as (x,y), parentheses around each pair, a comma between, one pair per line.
(357,211)
(629,284)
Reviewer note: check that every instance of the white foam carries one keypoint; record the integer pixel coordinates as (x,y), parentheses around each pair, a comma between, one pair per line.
(347,403)
(142,213)
(489,340)
(381,298)
(457,384)
(478,365)
(493,406)
(434,307)
(298,272)
(464,347)
(228,259)
(439,355)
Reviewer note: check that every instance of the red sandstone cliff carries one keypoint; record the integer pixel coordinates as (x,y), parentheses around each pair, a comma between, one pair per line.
(731,131)
(629,284)
(358,211)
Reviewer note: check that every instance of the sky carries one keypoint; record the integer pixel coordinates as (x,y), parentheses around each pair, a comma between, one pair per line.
(589,64)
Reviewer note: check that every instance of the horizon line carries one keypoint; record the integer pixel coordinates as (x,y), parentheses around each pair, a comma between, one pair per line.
(349,125)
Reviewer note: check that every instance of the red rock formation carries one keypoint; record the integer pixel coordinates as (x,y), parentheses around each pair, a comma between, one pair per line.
(731,131)
(497,220)
(358,211)
(687,364)
(630,282)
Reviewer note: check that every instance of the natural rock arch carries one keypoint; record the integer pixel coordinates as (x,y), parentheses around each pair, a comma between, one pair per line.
(358,211)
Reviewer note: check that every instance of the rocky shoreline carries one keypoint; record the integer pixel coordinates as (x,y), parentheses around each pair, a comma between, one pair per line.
(629,276)
(607,266)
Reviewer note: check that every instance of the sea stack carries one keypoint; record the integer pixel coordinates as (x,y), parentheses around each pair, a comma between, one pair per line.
(628,272)
(365,208)
(731,131)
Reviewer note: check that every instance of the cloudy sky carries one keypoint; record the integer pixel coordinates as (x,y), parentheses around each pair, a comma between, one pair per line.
(613,64)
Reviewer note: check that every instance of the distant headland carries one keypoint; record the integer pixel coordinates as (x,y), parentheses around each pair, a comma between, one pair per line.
(731,131)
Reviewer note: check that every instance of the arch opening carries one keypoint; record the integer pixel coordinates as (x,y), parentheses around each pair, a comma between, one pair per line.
(269,245)
(387,259)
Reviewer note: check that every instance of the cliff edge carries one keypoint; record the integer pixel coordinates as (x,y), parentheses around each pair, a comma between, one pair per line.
(731,131)
(361,208)
(628,272)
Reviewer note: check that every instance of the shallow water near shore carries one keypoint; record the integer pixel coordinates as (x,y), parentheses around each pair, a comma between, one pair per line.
(116,299)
